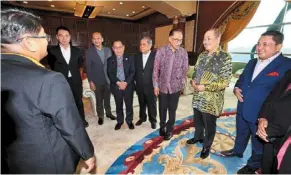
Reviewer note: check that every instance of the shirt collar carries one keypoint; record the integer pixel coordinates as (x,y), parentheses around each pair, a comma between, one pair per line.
(169,47)
(270,59)
(102,48)
(216,52)
(30,58)
(63,49)
(147,54)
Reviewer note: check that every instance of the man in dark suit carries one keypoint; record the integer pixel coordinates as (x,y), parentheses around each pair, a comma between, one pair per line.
(67,60)
(121,70)
(144,63)
(39,115)
(274,120)
(252,88)
(96,64)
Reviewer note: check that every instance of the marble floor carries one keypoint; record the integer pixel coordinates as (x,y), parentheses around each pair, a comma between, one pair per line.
(110,144)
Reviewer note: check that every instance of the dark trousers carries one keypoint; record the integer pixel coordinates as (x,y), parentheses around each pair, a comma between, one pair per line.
(168,102)
(102,94)
(205,127)
(285,167)
(244,130)
(147,99)
(77,91)
(269,159)
(126,96)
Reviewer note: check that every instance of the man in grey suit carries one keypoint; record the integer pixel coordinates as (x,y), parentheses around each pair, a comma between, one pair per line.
(96,62)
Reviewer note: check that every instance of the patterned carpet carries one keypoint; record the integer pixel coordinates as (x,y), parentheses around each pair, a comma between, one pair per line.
(152,155)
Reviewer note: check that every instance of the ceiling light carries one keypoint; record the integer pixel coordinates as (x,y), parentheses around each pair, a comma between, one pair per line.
(127,14)
(120,3)
(113,9)
(50,0)
(143,6)
(109,13)
(25,2)
(52,5)
(133,11)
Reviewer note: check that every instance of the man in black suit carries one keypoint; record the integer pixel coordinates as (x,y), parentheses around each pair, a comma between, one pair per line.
(96,64)
(38,112)
(144,63)
(274,120)
(121,70)
(67,59)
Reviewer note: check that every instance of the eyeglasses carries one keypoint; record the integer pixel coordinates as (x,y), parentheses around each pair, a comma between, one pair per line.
(120,47)
(177,40)
(265,44)
(47,37)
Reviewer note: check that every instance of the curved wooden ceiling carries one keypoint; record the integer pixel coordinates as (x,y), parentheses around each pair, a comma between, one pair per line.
(130,10)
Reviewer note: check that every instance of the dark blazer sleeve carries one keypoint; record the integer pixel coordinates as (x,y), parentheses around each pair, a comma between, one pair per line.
(279,124)
(272,96)
(56,100)
(88,65)
(80,58)
(51,59)
(110,70)
(129,79)
(240,80)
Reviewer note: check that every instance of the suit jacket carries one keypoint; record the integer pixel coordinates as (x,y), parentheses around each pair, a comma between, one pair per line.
(277,108)
(255,92)
(58,63)
(143,75)
(96,69)
(42,126)
(129,70)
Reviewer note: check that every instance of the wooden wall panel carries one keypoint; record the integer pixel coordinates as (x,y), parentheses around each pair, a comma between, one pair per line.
(81,30)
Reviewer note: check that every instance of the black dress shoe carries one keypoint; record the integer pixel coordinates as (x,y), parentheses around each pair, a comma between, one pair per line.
(139,122)
(153,125)
(130,126)
(100,121)
(231,153)
(204,153)
(193,141)
(247,170)
(162,132)
(118,126)
(112,117)
(86,124)
(167,136)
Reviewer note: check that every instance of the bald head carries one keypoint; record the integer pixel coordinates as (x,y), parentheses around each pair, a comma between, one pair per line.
(97,40)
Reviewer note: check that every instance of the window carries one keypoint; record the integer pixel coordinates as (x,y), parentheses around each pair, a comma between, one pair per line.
(269,15)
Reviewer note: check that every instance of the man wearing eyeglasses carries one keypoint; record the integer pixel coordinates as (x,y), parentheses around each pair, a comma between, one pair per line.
(38,112)
(170,69)
(251,89)
(67,59)
(121,71)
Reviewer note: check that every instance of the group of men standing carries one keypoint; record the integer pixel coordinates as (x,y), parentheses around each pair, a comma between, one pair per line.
(145,72)
(151,75)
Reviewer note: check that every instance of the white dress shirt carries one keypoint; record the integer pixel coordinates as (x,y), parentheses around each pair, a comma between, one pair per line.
(145,58)
(261,64)
(67,55)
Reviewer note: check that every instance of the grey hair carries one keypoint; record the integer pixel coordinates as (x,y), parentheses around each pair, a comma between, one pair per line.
(149,40)
(216,32)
